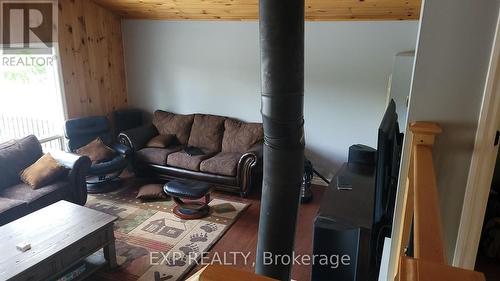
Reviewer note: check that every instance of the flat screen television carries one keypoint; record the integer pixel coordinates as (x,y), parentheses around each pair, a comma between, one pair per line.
(389,146)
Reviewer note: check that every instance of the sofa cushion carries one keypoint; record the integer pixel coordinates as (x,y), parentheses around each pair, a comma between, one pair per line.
(38,198)
(182,160)
(44,171)
(11,210)
(175,124)
(156,155)
(241,136)
(224,163)
(207,132)
(15,156)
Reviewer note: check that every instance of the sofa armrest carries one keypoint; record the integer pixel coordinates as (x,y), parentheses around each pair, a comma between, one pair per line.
(138,137)
(122,149)
(256,151)
(248,166)
(79,167)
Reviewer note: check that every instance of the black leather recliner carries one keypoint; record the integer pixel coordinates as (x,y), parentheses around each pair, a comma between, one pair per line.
(103,176)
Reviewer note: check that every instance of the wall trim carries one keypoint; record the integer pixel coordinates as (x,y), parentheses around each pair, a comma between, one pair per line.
(482,165)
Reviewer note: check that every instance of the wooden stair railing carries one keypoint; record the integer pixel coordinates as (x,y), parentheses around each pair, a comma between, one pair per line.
(421,226)
(226,273)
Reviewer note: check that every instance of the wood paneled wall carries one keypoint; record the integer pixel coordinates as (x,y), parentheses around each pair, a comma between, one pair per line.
(91,51)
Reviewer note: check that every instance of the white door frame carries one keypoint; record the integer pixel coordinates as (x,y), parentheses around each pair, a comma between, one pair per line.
(482,165)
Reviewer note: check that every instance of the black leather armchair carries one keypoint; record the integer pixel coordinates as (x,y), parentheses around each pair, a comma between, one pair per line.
(103,176)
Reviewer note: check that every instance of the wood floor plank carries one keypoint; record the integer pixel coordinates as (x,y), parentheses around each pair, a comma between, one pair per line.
(242,236)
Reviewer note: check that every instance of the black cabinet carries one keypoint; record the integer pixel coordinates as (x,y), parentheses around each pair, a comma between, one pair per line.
(343,227)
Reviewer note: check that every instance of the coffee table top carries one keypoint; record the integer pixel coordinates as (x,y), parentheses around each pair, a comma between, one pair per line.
(48,230)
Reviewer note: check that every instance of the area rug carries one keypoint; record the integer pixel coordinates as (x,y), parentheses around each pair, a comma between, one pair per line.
(152,243)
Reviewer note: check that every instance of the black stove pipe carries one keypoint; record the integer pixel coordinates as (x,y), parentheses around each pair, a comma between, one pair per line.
(282,75)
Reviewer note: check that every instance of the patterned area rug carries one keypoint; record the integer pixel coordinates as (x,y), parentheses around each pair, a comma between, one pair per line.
(152,243)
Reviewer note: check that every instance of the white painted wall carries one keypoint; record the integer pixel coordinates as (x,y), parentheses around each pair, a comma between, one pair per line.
(214,67)
(452,56)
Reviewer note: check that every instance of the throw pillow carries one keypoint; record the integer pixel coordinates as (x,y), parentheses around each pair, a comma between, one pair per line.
(240,136)
(162,141)
(151,192)
(97,151)
(42,172)
(207,132)
(175,124)
(15,156)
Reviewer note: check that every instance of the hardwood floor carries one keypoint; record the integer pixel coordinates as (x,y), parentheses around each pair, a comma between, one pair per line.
(242,237)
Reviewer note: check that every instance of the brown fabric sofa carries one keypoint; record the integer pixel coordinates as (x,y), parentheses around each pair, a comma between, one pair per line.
(232,150)
(17,199)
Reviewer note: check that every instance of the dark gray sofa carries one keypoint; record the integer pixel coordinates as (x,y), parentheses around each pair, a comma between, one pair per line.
(17,199)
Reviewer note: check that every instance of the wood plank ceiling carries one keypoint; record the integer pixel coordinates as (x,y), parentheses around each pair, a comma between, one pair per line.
(316,10)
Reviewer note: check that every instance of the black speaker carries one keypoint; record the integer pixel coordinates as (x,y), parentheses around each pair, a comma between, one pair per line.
(127,119)
(362,154)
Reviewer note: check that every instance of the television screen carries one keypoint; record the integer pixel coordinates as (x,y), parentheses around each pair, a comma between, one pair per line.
(385,154)
(387,170)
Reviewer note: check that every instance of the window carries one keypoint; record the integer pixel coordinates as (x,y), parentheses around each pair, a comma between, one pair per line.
(30,98)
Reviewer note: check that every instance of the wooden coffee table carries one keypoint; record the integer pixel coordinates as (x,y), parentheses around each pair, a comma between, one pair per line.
(62,236)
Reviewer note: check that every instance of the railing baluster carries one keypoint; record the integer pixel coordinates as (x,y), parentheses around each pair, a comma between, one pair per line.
(15,126)
(423,213)
(25,125)
(11,127)
(42,126)
(37,127)
(7,127)
(61,143)
(18,126)
(2,129)
(428,235)
(42,133)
